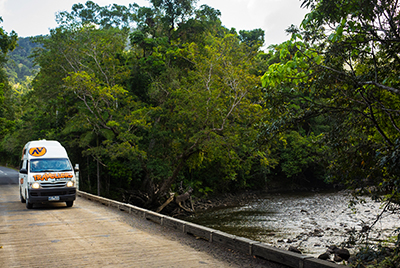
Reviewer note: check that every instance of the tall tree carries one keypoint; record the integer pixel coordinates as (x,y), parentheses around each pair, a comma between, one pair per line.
(174,12)
(83,74)
(110,16)
(206,112)
(348,73)
(7,44)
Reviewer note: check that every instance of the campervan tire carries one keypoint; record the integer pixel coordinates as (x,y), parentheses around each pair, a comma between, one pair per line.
(69,203)
(28,204)
(21,197)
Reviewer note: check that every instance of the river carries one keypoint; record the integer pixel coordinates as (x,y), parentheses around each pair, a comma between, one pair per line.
(309,221)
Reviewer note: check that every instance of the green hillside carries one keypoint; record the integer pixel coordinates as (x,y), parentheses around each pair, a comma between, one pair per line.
(20,67)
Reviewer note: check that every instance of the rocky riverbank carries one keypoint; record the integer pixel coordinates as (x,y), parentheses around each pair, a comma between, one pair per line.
(314,223)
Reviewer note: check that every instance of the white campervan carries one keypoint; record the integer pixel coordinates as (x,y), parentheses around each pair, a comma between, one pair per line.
(46,174)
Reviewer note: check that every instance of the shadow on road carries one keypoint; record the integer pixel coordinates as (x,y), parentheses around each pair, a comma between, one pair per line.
(51,206)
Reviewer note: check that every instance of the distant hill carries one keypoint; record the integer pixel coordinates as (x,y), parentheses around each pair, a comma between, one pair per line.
(20,68)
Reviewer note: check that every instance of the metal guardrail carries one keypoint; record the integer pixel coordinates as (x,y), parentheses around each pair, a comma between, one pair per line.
(244,245)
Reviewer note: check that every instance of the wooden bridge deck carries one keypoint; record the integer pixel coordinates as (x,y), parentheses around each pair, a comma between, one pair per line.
(92,235)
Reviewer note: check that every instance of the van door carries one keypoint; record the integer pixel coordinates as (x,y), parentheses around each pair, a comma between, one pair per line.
(23,179)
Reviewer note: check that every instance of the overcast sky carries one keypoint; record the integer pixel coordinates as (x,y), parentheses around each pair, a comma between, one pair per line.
(36,17)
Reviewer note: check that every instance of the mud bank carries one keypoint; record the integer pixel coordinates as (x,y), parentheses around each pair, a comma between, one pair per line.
(308,221)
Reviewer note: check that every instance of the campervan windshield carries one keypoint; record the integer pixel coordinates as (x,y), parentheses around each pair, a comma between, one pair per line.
(50,165)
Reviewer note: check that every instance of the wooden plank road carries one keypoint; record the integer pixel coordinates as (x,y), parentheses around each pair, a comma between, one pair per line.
(93,235)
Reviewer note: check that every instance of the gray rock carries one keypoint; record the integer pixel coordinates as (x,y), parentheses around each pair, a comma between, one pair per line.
(337,258)
(294,249)
(342,253)
(324,256)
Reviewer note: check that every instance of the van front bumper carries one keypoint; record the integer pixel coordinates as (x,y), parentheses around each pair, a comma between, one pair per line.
(52,195)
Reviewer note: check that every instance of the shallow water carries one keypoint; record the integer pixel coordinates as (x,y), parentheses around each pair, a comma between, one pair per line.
(309,221)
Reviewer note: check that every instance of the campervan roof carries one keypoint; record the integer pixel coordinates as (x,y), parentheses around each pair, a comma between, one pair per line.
(45,149)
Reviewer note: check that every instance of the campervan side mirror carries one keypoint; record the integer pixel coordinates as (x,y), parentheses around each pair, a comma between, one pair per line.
(76,167)
(23,171)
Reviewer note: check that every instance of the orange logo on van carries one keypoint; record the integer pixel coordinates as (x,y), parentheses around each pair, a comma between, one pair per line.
(56,176)
(37,151)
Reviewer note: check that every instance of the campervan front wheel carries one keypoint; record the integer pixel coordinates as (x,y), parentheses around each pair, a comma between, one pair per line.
(28,205)
(69,203)
(21,197)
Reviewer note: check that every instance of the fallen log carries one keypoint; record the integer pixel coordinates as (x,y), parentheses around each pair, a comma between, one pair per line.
(180,199)
(170,199)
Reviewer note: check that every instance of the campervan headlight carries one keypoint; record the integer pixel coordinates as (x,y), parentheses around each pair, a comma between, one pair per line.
(35,185)
(70,183)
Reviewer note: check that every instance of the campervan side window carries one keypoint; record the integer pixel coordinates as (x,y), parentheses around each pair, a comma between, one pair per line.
(23,164)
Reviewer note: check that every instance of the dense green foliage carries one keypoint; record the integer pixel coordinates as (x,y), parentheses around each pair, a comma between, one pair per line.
(7,44)
(349,76)
(342,67)
(149,99)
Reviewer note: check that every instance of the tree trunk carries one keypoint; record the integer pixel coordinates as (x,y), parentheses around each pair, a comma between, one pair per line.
(166,185)
(98,177)
(88,174)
